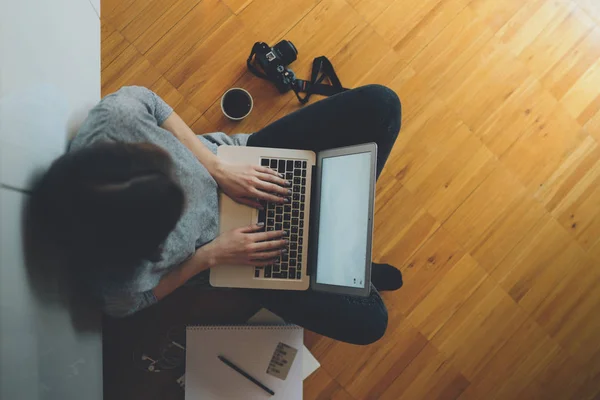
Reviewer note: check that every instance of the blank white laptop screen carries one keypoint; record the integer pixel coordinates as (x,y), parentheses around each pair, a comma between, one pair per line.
(343,220)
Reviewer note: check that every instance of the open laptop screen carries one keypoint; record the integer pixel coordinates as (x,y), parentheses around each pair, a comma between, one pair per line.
(344,220)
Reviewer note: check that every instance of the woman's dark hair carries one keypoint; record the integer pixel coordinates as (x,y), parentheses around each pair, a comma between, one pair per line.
(111,204)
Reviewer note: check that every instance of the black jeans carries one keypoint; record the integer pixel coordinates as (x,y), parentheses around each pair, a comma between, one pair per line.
(366,114)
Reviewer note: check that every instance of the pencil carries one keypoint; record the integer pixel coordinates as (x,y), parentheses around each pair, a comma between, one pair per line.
(245,375)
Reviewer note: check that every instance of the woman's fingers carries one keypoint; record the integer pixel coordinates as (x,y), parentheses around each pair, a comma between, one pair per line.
(273,188)
(256,228)
(262,263)
(266,236)
(270,197)
(268,171)
(274,179)
(270,245)
(250,202)
(267,255)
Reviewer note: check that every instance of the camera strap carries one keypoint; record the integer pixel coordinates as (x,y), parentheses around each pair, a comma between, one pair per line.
(251,66)
(321,69)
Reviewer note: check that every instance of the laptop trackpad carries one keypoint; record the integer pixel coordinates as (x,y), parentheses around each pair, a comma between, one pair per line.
(236,215)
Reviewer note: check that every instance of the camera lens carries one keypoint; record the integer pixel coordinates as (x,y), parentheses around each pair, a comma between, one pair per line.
(287,51)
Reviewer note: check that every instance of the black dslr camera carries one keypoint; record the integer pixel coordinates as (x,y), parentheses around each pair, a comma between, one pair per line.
(274,61)
(271,63)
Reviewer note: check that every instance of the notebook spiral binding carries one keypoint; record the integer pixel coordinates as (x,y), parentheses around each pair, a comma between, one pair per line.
(242,327)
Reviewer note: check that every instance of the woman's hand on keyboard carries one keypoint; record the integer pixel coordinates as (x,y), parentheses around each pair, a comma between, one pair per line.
(246,246)
(248,184)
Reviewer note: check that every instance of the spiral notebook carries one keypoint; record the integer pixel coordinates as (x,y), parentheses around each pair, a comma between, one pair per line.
(270,354)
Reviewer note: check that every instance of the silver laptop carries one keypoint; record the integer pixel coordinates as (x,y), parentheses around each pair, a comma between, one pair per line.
(329,220)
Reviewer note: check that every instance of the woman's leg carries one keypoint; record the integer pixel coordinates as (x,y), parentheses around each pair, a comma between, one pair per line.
(356,320)
(367,114)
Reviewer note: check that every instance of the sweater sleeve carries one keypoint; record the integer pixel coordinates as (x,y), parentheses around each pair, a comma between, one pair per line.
(125,304)
(156,106)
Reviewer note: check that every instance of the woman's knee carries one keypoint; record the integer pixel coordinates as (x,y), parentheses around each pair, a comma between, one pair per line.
(376,326)
(386,107)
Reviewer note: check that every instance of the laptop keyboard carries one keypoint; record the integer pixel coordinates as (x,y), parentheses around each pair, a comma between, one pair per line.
(288,217)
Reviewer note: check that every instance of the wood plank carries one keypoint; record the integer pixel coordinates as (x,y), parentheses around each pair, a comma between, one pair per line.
(458,43)
(425,269)
(386,70)
(581,102)
(399,19)
(569,174)
(397,242)
(276,18)
(549,143)
(452,172)
(148,14)
(576,196)
(557,380)
(129,68)
(155,21)
(565,313)
(320,386)
(557,39)
(494,218)
(529,105)
(370,9)
(215,64)
(532,263)
(112,45)
(167,21)
(483,84)
(591,7)
(580,334)
(426,130)
(429,376)
(479,329)
(497,14)
(447,296)
(592,127)
(585,224)
(109,6)
(236,6)
(562,76)
(123,14)
(428,28)
(505,233)
(523,358)
(594,250)
(530,21)
(187,34)
(356,58)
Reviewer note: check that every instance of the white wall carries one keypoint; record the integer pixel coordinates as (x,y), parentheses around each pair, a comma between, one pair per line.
(49,79)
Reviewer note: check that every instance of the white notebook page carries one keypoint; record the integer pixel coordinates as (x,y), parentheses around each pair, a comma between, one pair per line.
(251,349)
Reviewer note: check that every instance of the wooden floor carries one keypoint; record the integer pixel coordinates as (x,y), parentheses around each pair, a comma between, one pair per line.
(490,202)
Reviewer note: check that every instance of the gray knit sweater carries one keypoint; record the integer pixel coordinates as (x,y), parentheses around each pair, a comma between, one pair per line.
(134,115)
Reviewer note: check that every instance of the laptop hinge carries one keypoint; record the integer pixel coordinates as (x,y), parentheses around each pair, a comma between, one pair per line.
(313,219)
